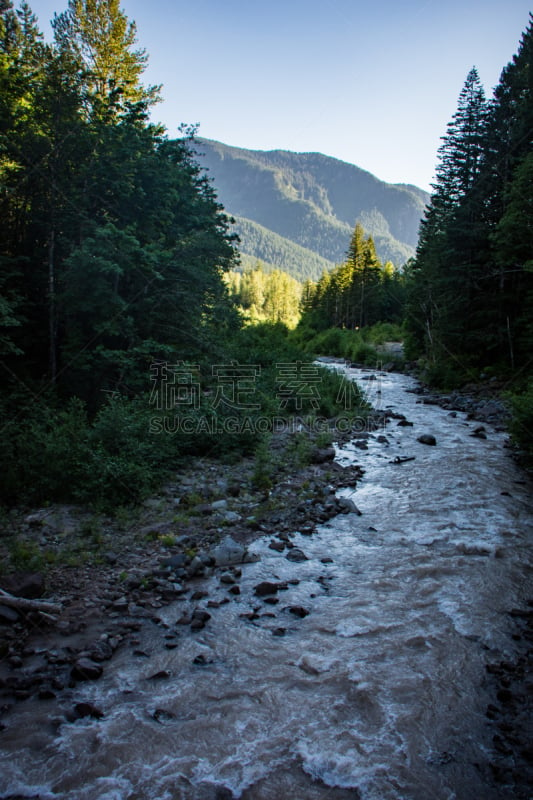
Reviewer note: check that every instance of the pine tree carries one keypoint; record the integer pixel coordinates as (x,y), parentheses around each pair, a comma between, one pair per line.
(99,41)
(442,276)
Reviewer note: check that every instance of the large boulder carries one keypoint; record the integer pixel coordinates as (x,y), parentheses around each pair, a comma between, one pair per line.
(427,438)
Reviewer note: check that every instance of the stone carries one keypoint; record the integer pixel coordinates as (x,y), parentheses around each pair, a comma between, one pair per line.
(219,505)
(228,552)
(320,455)
(199,619)
(200,594)
(30,585)
(277,545)
(265,588)
(228,578)
(176,561)
(196,567)
(85,669)
(299,611)
(427,438)
(159,676)
(232,516)
(88,710)
(347,506)
(8,616)
(100,651)
(296,555)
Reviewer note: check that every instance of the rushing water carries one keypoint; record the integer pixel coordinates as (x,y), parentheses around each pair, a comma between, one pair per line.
(379,693)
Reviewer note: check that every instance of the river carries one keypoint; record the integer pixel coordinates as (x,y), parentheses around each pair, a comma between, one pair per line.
(380,692)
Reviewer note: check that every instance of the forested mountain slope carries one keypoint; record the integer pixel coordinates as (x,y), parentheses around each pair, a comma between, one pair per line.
(311,200)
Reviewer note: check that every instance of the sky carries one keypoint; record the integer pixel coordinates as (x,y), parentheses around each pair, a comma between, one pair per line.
(370,82)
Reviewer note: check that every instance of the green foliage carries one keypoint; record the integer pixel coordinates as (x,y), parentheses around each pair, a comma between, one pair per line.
(263,466)
(266,296)
(522,422)
(470,287)
(356,294)
(277,252)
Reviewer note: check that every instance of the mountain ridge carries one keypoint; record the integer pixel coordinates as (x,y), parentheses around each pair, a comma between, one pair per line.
(310,200)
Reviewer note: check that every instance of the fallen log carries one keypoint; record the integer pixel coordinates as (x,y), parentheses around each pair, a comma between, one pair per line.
(23,604)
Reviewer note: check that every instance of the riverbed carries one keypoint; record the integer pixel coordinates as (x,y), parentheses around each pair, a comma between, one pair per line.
(363,675)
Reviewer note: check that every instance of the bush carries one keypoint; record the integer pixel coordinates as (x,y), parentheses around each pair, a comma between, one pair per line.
(521,426)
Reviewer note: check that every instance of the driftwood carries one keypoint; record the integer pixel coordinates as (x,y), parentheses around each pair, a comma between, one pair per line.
(23,604)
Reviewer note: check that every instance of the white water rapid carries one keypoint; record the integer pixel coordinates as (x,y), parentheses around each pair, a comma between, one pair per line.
(379,693)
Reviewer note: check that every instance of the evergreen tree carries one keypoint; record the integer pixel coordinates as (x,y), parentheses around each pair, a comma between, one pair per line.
(443,278)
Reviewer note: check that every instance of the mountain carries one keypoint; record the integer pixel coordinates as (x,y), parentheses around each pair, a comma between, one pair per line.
(297,211)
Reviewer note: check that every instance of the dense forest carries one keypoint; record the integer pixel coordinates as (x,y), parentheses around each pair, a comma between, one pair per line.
(117,260)
(113,254)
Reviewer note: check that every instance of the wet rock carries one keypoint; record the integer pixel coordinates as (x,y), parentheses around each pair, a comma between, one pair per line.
(46,694)
(162,716)
(162,675)
(326,560)
(277,545)
(347,506)
(299,611)
(296,555)
(228,552)
(88,710)
(202,660)
(235,590)
(100,651)
(199,619)
(427,438)
(404,423)
(279,631)
(85,669)
(227,578)
(200,594)
(265,588)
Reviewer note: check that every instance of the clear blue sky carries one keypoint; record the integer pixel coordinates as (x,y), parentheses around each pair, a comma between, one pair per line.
(373,83)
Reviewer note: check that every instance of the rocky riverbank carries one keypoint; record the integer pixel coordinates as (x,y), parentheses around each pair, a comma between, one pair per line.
(111,574)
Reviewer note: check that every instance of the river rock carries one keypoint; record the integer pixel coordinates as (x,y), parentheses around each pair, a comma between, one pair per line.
(88,710)
(85,669)
(427,438)
(347,506)
(265,588)
(299,611)
(228,552)
(277,545)
(295,554)
(320,455)
(199,619)
(177,561)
